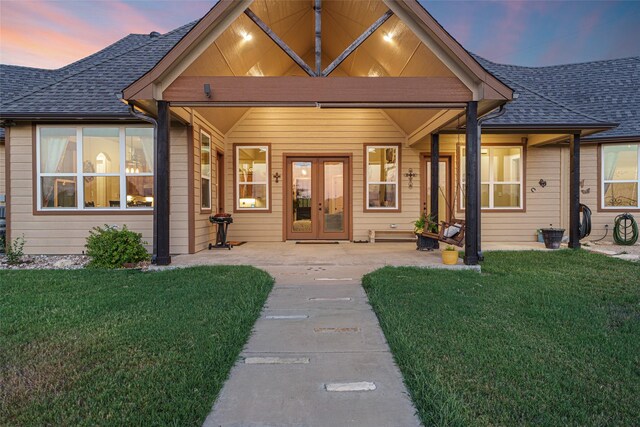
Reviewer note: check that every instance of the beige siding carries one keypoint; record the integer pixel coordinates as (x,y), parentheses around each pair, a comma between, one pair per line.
(2,169)
(307,130)
(204,231)
(66,234)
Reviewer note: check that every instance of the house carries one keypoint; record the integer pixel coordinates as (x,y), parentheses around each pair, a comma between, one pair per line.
(316,119)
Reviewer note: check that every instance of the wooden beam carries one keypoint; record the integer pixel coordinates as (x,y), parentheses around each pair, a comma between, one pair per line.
(187,89)
(281,44)
(318,11)
(356,43)
(433,124)
(574,192)
(435,178)
(472,193)
(161,195)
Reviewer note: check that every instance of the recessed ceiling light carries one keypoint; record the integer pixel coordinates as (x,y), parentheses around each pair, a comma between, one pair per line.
(247,36)
(387,37)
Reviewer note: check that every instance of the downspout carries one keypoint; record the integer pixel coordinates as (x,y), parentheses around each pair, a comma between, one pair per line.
(491,115)
(154,122)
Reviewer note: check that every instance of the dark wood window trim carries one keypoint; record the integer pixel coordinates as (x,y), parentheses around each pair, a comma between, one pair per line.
(235,179)
(365,164)
(458,183)
(202,130)
(600,192)
(36,211)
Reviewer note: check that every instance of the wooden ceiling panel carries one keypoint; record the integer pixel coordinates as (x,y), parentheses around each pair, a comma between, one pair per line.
(410,120)
(425,63)
(222,118)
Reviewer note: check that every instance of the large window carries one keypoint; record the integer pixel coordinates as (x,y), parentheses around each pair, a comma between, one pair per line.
(205,171)
(501,176)
(95,167)
(620,176)
(252,178)
(382,177)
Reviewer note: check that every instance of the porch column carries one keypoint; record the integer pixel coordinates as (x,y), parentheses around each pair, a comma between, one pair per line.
(435,176)
(574,192)
(472,193)
(161,191)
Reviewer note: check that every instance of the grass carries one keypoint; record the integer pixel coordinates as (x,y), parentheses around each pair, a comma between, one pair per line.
(537,339)
(122,347)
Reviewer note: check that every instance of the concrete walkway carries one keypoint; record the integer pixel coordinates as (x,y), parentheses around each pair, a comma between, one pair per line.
(317,333)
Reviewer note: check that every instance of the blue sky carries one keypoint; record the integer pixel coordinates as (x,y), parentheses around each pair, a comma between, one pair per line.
(50,34)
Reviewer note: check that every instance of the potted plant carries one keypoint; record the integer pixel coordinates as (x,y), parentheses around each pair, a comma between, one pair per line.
(427,223)
(449,255)
(552,236)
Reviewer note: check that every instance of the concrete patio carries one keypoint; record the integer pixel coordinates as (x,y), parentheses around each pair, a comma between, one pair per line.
(374,255)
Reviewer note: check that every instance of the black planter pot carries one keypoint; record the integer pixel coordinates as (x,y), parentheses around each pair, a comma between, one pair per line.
(552,237)
(426,243)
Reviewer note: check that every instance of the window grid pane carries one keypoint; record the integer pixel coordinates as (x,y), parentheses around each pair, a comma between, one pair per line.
(85,168)
(620,178)
(382,177)
(252,184)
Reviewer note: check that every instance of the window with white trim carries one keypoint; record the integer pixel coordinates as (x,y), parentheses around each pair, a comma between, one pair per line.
(252,177)
(501,170)
(94,168)
(205,171)
(620,176)
(382,169)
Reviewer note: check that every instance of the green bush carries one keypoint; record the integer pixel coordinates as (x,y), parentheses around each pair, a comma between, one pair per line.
(110,247)
(15,250)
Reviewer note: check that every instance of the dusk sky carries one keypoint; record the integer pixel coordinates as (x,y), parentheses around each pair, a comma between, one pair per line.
(51,34)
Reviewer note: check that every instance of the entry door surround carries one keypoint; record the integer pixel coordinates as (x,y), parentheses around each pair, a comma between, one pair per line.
(317,197)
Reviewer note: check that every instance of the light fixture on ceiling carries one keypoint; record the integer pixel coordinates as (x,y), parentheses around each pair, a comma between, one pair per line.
(388,37)
(247,37)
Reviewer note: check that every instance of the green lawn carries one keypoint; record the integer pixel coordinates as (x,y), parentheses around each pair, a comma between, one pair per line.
(122,347)
(538,338)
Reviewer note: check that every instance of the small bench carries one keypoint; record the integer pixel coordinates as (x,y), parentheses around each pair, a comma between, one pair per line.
(391,235)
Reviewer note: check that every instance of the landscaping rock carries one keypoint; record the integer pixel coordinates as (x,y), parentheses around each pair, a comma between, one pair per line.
(46,262)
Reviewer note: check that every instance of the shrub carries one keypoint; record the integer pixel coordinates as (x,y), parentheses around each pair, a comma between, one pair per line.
(15,250)
(110,247)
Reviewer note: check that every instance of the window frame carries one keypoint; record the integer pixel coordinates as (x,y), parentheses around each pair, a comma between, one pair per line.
(79,175)
(206,209)
(398,207)
(237,183)
(523,179)
(602,181)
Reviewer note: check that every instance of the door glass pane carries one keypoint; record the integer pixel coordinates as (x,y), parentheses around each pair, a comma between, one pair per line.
(333,197)
(443,203)
(301,209)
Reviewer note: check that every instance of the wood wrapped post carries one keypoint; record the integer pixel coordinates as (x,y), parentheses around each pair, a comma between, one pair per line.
(435,177)
(161,191)
(574,192)
(472,193)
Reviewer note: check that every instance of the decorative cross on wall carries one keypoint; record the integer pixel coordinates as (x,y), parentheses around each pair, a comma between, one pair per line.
(411,174)
(277,177)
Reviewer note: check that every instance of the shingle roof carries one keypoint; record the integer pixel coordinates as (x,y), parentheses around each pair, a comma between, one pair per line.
(601,91)
(91,86)
(593,93)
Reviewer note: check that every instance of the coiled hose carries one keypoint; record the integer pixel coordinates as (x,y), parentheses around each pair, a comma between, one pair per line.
(585,224)
(625,230)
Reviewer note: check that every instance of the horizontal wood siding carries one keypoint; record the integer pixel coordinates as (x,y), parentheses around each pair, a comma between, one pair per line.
(311,130)
(66,234)
(204,230)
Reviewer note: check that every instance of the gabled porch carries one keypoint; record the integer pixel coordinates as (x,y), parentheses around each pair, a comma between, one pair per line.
(386,56)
